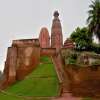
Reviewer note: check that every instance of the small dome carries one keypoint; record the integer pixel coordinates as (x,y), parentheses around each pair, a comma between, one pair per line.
(68,40)
(69,43)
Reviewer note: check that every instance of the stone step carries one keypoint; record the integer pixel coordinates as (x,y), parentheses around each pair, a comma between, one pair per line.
(65,91)
(66,95)
(68,98)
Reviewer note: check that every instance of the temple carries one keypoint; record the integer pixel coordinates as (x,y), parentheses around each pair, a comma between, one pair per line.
(44,38)
(24,54)
(75,70)
(69,44)
(56,32)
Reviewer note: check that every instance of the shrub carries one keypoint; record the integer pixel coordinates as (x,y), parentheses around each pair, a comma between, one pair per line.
(71,59)
(95,47)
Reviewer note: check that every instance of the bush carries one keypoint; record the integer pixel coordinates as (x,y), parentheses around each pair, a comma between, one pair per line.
(96,48)
(71,59)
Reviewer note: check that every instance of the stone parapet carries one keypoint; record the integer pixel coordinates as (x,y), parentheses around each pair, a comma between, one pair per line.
(25,42)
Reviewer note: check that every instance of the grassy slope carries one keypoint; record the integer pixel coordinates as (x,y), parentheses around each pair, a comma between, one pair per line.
(9,97)
(42,81)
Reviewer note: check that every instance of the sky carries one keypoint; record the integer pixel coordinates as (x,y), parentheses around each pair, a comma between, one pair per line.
(20,19)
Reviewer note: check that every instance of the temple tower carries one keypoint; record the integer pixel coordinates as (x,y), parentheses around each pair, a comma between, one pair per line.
(44,38)
(56,32)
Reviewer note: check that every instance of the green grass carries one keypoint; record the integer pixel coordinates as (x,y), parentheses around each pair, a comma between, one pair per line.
(45,59)
(40,87)
(9,97)
(46,70)
(42,81)
(13,97)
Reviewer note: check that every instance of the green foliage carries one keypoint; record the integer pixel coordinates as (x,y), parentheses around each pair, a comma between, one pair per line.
(74,56)
(69,56)
(72,59)
(66,53)
(94,18)
(81,38)
(96,48)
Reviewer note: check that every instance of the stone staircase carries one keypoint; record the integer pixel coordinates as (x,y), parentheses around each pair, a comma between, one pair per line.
(63,79)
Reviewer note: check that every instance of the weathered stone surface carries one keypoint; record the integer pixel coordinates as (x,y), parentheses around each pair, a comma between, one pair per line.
(84,81)
(56,32)
(44,38)
(10,67)
(25,42)
(88,58)
(69,44)
(48,52)
(28,58)
(21,59)
(28,54)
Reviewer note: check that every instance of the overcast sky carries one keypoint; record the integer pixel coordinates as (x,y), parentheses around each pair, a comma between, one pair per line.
(21,19)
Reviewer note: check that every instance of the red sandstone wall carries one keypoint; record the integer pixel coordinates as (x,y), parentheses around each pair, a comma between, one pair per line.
(10,67)
(48,51)
(28,58)
(22,58)
(25,42)
(84,81)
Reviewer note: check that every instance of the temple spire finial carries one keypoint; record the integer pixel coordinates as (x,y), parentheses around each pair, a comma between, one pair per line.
(56,13)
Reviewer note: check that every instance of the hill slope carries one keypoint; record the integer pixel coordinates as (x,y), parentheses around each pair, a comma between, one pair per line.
(42,81)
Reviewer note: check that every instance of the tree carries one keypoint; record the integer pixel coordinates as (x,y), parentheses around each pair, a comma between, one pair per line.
(94,18)
(81,38)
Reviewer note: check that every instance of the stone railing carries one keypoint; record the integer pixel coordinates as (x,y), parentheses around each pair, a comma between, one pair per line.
(25,42)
